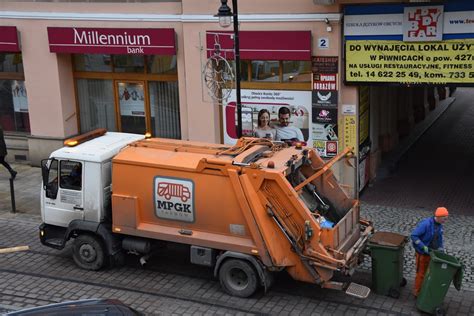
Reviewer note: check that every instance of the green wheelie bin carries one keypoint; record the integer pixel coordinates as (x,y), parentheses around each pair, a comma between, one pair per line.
(386,250)
(443,269)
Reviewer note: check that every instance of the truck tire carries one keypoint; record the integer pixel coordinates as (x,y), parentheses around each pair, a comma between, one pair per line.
(238,278)
(89,252)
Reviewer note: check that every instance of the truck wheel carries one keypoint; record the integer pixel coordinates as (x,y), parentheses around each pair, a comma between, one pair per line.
(238,278)
(88,252)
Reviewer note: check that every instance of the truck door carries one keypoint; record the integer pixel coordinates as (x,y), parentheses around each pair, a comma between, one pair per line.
(65,202)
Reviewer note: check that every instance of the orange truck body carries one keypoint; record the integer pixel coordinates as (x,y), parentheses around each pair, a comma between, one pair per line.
(239,199)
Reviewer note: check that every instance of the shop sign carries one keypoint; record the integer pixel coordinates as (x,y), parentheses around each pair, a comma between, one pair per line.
(324,64)
(423,23)
(298,102)
(324,115)
(111,41)
(350,131)
(9,41)
(396,61)
(326,148)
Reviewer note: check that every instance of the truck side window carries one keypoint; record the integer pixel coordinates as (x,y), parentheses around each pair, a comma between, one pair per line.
(71,175)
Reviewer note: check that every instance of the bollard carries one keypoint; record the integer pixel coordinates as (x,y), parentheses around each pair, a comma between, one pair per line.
(12,193)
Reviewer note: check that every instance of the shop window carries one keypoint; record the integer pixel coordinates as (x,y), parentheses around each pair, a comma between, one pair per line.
(129,63)
(132,107)
(244,69)
(296,71)
(93,62)
(164,103)
(96,104)
(157,64)
(14,106)
(11,62)
(70,175)
(268,71)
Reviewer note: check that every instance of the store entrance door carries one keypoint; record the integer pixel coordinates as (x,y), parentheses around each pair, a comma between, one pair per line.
(133,107)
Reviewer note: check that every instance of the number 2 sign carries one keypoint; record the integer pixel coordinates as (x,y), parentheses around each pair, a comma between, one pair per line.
(323,42)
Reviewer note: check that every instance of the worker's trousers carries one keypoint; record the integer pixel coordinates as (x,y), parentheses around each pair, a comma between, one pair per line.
(422,262)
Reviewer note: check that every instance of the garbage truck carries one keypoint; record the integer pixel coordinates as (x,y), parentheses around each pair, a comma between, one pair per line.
(246,211)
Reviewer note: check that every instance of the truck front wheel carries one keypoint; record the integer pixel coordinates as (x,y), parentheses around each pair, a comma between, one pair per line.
(88,252)
(238,278)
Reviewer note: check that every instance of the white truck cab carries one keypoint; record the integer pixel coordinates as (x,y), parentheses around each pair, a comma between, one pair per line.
(77,184)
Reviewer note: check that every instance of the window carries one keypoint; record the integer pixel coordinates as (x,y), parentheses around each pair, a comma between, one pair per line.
(93,62)
(14,115)
(96,104)
(268,71)
(70,175)
(164,102)
(128,93)
(11,62)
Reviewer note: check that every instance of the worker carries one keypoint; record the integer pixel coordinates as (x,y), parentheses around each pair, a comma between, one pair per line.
(428,235)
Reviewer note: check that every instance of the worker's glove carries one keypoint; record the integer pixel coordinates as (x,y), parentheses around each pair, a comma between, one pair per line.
(426,250)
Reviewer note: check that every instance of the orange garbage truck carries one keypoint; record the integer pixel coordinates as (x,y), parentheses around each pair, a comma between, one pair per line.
(247,211)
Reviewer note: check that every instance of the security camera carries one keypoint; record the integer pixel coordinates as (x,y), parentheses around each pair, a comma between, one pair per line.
(326,20)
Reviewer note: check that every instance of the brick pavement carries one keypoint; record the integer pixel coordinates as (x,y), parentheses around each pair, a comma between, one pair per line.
(173,286)
(438,169)
(44,275)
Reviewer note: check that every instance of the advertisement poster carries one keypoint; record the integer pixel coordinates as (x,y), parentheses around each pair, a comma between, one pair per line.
(131,96)
(325,100)
(20,100)
(395,61)
(298,102)
(350,131)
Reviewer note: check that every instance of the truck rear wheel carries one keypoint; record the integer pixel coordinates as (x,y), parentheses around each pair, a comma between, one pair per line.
(88,252)
(238,278)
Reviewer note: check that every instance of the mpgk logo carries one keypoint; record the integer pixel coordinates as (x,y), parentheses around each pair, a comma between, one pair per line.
(423,23)
(174,199)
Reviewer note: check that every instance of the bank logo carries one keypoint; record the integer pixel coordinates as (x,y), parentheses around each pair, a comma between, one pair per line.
(423,23)
(174,199)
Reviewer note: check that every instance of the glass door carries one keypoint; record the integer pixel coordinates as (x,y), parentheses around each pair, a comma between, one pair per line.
(132,106)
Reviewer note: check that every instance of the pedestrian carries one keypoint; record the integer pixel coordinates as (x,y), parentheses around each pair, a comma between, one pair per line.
(428,235)
(3,153)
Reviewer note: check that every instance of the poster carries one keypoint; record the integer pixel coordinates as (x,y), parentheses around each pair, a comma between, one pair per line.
(326,148)
(350,131)
(299,103)
(325,132)
(20,98)
(132,101)
(324,115)
(396,61)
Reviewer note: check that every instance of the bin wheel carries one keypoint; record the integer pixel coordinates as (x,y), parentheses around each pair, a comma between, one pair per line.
(403,282)
(440,311)
(394,293)
(238,278)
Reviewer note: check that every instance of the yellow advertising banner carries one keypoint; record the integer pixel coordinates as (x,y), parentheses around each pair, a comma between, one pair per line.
(350,131)
(408,62)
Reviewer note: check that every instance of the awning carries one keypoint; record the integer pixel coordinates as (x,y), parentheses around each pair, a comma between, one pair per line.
(262,45)
(111,41)
(9,39)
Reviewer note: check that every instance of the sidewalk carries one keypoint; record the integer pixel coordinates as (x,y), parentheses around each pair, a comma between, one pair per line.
(27,190)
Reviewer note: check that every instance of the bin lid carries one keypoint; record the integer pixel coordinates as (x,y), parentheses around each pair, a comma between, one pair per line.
(388,239)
